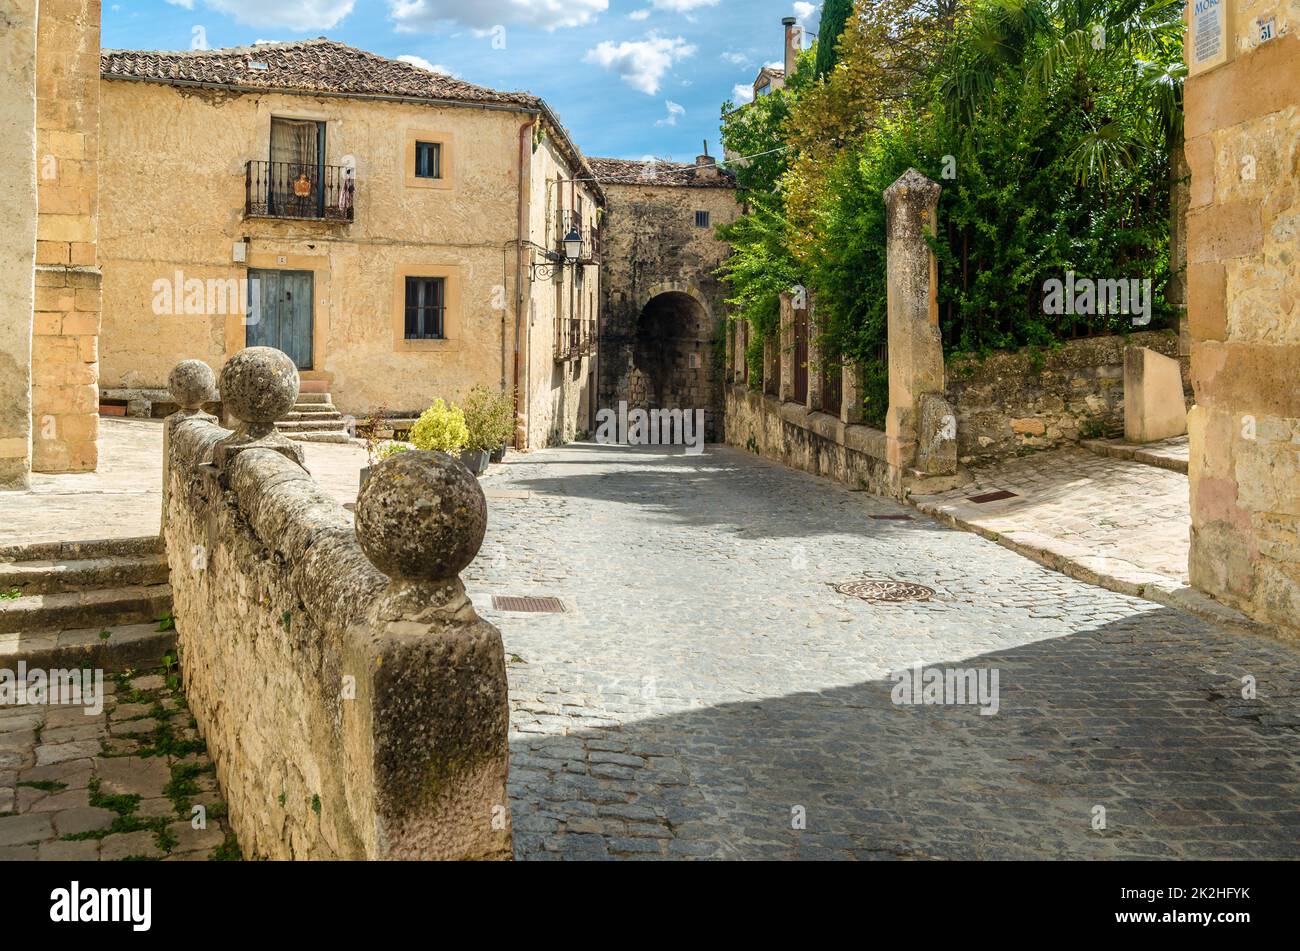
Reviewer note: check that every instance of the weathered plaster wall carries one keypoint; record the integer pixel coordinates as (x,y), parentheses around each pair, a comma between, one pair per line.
(17,237)
(653,247)
(1013,403)
(1243,146)
(168,207)
(350,715)
(66,321)
(559,404)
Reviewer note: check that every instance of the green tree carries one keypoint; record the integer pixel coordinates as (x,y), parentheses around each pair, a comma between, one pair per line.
(835,13)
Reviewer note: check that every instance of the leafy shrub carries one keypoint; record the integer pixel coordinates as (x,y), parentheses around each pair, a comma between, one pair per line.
(490,418)
(440,427)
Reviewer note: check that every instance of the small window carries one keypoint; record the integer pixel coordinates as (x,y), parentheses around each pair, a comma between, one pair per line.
(425,308)
(701,219)
(428,160)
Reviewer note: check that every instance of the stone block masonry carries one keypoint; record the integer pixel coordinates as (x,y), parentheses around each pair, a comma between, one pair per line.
(353,702)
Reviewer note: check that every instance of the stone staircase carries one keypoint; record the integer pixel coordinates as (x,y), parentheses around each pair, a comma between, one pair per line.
(314,417)
(63,604)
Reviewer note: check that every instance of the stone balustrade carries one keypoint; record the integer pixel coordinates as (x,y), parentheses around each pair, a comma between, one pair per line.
(354,704)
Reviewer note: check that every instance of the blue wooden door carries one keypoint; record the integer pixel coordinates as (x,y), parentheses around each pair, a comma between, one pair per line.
(280,313)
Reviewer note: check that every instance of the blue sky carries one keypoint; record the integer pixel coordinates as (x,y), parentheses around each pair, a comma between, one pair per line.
(630,78)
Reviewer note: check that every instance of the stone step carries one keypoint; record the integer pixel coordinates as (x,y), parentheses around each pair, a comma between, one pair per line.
(289,427)
(71,610)
(311,416)
(313,386)
(126,646)
(52,576)
(342,438)
(313,397)
(71,551)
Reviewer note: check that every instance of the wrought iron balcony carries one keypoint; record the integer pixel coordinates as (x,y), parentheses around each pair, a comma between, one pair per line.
(567,221)
(294,190)
(574,337)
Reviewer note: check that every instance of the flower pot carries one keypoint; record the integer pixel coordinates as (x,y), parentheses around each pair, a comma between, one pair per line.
(475,460)
(499,453)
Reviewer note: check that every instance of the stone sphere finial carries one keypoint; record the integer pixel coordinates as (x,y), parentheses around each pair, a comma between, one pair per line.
(259,385)
(191,384)
(421,516)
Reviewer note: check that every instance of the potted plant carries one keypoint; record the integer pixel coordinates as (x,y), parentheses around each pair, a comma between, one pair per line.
(371,429)
(440,428)
(384,451)
(504,414)
(482,419)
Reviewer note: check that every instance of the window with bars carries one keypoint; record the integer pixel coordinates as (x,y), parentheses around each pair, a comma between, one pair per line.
(425,308)
(428,160)
(701,219)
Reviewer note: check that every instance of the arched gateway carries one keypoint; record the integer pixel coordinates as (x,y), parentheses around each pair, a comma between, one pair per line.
(661,330)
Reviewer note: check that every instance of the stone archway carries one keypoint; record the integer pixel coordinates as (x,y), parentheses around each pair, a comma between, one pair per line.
(672,354)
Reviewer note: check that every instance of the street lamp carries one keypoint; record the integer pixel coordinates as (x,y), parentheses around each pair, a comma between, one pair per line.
(573,245)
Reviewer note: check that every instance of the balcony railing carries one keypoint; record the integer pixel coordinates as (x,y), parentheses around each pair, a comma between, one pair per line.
(294,190)
(574,337)
(567,221)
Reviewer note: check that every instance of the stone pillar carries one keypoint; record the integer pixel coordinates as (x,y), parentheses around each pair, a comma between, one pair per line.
(814,400)
(771,365)
(785,391)
(850,392)
(915,346)
(65,329)
(192,383)
(1242,123)
(17,240)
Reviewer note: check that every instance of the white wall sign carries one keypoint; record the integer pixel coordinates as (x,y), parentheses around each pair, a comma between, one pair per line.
(1208,35)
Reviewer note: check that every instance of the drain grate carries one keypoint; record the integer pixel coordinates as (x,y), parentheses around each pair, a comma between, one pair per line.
(884,590)
(509,602)
(892,518)
(997,496)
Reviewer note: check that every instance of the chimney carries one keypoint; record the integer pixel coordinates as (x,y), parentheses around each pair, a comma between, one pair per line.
(706,168)
(793,43)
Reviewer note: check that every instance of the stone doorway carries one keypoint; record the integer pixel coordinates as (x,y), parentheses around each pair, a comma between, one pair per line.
(672,358)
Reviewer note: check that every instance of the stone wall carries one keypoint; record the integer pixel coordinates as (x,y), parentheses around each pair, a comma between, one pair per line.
(351,699)
(806,439)
(17,237)
(662,304)
(1243,145)
(65,325)
(1012,403)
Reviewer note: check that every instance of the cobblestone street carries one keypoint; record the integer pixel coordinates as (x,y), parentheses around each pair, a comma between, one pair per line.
(707,693)
(118,784)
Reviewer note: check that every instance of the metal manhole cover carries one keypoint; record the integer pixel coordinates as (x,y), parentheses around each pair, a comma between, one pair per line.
(506,602)
(997,496)
(888,591)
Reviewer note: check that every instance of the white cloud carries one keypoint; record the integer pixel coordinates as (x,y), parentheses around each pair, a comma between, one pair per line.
(639,14)
(642,63)
(674,110)
(187,4)
(410,15)
(804,10)
(734,58)
(422,63)
(300,16)
(742,93)
(682,6)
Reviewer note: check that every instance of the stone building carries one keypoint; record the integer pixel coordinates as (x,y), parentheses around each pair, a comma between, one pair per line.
(50,298)
(395,231)
(1243,231)
(661,326)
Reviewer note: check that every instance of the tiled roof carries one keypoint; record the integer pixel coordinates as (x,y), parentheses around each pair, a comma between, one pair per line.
(611,171)
(318,65)
(321,66)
